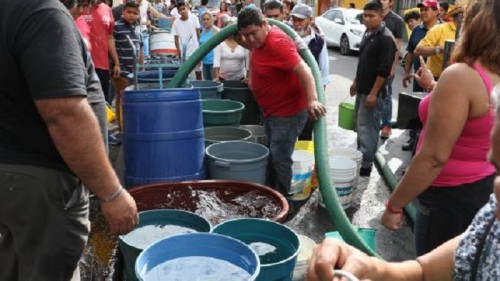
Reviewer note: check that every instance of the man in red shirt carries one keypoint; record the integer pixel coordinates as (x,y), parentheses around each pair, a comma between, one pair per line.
(284,88)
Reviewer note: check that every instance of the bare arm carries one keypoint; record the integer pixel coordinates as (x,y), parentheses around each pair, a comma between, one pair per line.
(114,56)
(155,12)
(316,109)
(74,130)
(398,42)
(177,45)
(408,66)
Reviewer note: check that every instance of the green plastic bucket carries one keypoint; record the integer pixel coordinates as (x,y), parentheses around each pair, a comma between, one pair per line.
(155,225)
(276,245)
(347,119)
(368,235)
(225,133)
(220,112)
(208,89)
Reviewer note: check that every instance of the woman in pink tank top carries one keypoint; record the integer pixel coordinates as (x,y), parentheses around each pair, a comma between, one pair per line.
(450,174)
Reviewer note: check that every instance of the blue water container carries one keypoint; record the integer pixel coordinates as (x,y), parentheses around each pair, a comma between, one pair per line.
(163,136)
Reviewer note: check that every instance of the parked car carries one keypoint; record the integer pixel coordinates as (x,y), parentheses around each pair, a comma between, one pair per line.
(342,28)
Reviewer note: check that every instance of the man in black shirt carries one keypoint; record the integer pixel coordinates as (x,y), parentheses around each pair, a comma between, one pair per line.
(49,145)
(376,56)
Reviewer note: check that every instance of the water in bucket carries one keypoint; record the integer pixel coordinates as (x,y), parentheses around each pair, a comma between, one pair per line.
(144,236)
(197,268)
(302,169)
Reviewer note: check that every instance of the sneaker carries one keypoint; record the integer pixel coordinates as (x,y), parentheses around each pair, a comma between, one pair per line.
(365,172)
(114,140)
(386,132)
(408,146)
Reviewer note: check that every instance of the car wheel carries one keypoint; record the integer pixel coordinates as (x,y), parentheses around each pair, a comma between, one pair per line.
(345,48)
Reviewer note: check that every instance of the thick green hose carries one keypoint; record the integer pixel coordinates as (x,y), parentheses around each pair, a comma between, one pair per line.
(327,188)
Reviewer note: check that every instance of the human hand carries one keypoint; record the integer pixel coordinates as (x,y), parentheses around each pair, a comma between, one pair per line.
(391,220)
(371,101)
(353,89)
(316,109)
(423,76)
(333,254)
(116,71)
(121,213)
(406,79)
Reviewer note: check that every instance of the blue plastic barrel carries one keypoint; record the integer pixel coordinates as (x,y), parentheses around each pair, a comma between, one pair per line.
(198,245)
(163,136)
(276,245)
(208,89)
(155,225)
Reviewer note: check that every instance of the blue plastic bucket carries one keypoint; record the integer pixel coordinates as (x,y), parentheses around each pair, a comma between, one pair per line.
(155,225)
(197,245)
(276,245)
(208,89)
(163,136)
(238,160)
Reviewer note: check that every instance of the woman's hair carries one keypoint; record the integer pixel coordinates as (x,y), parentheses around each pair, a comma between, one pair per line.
(480,37)
(224,4)
(207,14)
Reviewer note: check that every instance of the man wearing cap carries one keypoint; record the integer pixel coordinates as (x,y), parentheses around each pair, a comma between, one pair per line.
(432,45)
(283,86)
(302,16)
(429,13)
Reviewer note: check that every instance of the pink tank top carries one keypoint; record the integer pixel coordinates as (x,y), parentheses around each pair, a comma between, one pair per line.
(468,160)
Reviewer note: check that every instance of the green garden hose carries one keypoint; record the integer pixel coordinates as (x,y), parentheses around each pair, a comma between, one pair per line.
(327,188)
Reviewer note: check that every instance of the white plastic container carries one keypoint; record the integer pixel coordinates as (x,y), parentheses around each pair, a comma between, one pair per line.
(352,154)
(343,171)
(302,168)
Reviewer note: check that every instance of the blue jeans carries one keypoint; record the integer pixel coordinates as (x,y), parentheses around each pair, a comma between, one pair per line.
(145,43)
(207,70)
(282,133)
(387,112)
(367,128)
(444,213)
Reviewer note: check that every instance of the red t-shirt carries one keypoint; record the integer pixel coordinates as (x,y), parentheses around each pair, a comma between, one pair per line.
(276,87)
(101,23)
(84,29)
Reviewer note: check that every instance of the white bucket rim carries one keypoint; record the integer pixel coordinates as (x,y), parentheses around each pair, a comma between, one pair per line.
(337,161)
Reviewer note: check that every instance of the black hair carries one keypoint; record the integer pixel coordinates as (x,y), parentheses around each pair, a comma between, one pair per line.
(131,4)
(249,16)
(352,5)
(445,5)
(412,15)
(374,5)
(69,4)
(204,2)
(273,4)
(180,4)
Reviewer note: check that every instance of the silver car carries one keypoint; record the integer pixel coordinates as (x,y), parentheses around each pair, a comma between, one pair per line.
(342,28)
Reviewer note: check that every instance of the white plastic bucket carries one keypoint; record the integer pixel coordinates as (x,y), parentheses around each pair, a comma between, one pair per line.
(302,169)
(353,154)
(343,171)
(162,43)
(306,251)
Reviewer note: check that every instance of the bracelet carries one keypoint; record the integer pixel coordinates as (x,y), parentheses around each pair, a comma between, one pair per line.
(391,210)
(113,196)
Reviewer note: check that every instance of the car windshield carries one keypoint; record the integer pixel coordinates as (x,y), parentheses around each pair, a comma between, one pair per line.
(354,16)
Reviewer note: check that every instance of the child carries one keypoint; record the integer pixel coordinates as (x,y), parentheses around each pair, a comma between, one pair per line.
(412,19)
(186,31)
(129,26)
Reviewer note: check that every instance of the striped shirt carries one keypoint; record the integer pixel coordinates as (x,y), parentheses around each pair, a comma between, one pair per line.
(123,48)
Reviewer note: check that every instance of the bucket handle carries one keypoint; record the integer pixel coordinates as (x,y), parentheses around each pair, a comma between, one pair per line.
(222,164)
(347,275)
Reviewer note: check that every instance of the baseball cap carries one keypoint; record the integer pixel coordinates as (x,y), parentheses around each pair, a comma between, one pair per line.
(428,4)
(301,11)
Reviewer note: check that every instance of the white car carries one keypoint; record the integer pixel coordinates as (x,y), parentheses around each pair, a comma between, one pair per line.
(342,28)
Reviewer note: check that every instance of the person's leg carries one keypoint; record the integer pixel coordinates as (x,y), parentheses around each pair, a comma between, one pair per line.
(368,126)
(283,133)
(104,77)
(207,72)
(145,43)
(120,84)
(387,111)
(43,223)
(307,132)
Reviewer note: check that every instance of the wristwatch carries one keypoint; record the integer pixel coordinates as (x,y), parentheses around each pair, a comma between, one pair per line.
(437,50)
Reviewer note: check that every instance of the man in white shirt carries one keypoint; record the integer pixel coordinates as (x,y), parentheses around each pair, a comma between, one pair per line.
(186,31)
